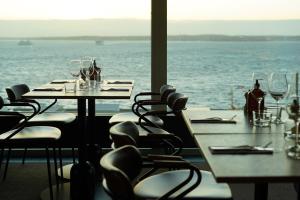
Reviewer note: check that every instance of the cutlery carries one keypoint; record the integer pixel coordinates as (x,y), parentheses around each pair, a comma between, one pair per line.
(116,89)
(119,82)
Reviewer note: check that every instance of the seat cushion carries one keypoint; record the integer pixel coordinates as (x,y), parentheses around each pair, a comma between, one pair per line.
(157,185)
(143,132)
(63,118)
(129,116)
(33,135)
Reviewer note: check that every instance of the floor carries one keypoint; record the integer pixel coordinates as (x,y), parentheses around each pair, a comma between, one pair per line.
(25,182)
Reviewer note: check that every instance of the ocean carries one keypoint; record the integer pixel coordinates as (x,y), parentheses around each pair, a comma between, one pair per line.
(212,74)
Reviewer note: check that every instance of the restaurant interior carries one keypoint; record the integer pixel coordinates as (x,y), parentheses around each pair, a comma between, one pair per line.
(159,148)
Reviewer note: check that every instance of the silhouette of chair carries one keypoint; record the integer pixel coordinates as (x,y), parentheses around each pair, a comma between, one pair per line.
(151,136)
(23,136)
(141,105)
(62,121)
(122,167)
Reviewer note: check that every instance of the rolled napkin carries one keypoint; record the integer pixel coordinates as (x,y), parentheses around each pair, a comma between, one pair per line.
(119,82)
(62,81)
(243,149)
(48,89)
(214,120)
(115,89)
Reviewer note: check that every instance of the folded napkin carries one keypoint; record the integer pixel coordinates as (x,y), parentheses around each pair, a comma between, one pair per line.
(48,89)
(244,149)
(119,82)
(62,81)
(115,89)
(213,120)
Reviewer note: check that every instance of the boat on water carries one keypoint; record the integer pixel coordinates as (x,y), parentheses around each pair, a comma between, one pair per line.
(99,42)
(25,43)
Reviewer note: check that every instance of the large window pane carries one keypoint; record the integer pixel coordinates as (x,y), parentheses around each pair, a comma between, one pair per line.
(61,31)
(214,46)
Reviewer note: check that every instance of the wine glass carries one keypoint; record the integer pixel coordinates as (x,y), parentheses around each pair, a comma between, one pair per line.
(293,111)
(86,70)
(75,71)
(259,91)
(278,88)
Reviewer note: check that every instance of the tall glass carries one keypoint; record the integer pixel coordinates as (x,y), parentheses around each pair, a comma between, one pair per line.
(261,79)
(278,88)
(86,70)
(293,111)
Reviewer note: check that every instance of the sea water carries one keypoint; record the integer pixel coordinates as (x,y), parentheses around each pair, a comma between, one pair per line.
(212,74)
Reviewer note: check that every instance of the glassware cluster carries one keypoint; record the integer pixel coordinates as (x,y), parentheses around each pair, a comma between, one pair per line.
(88,74)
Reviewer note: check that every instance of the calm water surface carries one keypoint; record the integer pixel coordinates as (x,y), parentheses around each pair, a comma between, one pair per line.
(213,74)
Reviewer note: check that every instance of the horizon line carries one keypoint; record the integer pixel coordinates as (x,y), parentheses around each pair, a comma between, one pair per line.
(144,19)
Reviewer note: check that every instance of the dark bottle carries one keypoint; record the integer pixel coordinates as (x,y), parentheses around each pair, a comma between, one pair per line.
(94,70)
(252,99)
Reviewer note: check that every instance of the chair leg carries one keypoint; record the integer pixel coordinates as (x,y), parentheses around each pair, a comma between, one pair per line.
(24,156)
(55,166)
(1,157)
(60,163)
(73,154)
(6,164)
(49,173)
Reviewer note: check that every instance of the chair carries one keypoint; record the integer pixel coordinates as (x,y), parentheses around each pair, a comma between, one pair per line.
(140,105)
(122,182)
(128,133)
(59,120)
(23,136)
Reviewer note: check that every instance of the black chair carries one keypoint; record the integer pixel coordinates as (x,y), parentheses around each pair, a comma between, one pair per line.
(63,121)
(23,136)
(127,133)
(122,166)
(140,106)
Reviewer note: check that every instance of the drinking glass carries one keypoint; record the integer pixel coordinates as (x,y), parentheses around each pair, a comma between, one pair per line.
(293,110)
(75,71)
(278,88)
(259,78)
(86,70)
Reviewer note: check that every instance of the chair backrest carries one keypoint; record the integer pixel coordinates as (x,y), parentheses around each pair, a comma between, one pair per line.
(177,102)
(15,92)
(165,91)
(124,133)
(120,167)
(1,102)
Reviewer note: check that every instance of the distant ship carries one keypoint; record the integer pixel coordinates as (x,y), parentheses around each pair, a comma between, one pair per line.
(25,43)
(99,42)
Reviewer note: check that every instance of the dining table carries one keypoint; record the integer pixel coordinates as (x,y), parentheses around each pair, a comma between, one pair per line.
(258,167)
(86,112)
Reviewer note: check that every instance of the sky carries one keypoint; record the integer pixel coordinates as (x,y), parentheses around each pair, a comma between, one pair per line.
(141,9)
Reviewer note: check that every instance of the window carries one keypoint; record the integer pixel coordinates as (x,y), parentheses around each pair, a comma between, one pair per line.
(214,46)
(56,32)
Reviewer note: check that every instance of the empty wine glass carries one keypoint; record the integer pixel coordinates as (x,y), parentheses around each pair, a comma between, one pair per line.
(75,71)
(278,88)
(86,70)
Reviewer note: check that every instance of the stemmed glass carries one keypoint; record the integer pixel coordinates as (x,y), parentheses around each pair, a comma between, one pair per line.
(278,88)
(75,72)
(86,70)
(293,111)
(259,82)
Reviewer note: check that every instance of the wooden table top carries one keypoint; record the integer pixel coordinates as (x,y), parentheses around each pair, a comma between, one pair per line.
(240,127)
(276,167)
(82,94)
